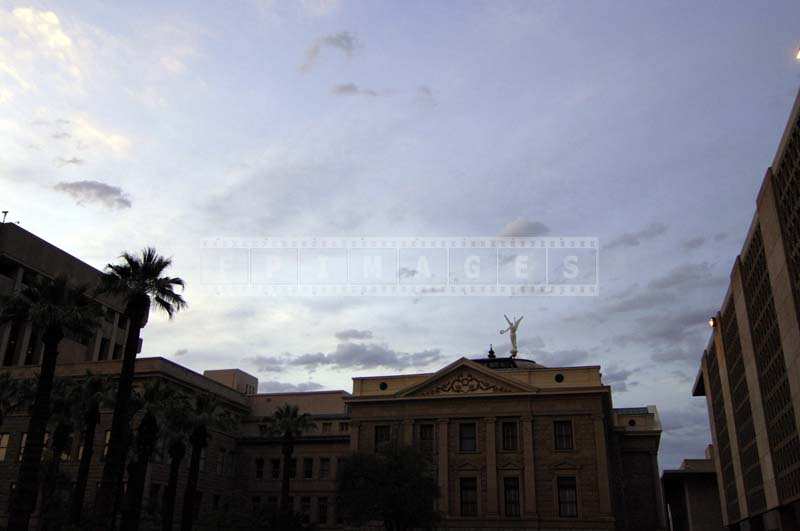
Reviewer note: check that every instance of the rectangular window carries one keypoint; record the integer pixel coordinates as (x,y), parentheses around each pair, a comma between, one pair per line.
(563,432)
(4,439)
(155,496)
(305,508)
(467,437)
(469,496)
(324,467)
(275,468)
(292,468)
(426,437)
(344,427)
(567,497)
(202,460)
(326,427)
(259,468)
(22,446)
(221,462)
(198,503)
(215,501)
(509,436)
(117,352)
(511,496)
(382,436)
(105,344)
(308,468)
(256,503)
(105,443)
(272,504)
(322,510)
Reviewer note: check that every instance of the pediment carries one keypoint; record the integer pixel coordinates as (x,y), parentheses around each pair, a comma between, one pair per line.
(465,377)
(565,465)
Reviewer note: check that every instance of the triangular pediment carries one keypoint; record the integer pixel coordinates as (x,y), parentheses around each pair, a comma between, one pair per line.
(465,377)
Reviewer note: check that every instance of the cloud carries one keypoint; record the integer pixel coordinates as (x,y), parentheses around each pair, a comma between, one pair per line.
(351,89)
(687,276)
(40,34)
(693,243)
(268,363)
(634,239)
(718,237)
(352,333)
(344,41)
(65,162)
(521,227)
(274,386)
(560,358)
(618,378)
(367,356)
(89,134)
(95,192)
(181,352)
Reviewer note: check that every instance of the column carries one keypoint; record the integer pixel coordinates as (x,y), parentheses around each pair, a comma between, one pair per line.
(355,427)
(408,432)
(491,467)
(442,447)
(529,478)
(603,483)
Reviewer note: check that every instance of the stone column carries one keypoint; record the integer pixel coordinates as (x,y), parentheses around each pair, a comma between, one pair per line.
(355,427)
(603,483)
(408,432)
(442,446)
(491,468)
(529,477)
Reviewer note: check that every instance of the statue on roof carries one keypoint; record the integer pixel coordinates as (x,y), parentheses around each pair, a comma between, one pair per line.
(512,330)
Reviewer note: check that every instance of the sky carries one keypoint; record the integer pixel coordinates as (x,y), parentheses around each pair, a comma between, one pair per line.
(648,125)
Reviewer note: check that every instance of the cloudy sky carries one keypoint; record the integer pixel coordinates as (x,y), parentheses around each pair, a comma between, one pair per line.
(648,125)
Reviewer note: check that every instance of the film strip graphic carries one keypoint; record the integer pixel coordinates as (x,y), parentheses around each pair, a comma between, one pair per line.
(410,266)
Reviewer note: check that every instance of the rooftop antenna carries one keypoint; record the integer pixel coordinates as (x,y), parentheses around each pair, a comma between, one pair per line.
(5,213)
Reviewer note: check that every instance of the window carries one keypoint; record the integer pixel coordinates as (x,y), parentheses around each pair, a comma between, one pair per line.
(567,497)
(563,431)
(469,496)
(322,510)
(155,496)
(215,501)
(4,438)
(467,437)
(256,503)
(272,504)
(324,467)
(511,496)
(105,344)
(259,468)
(22,446)
(230,464)
(509,436)
(221,462)
(344,427)
(105,443)
(382,436)
(275,468)
(305,508)
(202,460)
(426,437)
(308,468)
(326,427)
(45,445)
(198,503)
(117,352)
(292,468)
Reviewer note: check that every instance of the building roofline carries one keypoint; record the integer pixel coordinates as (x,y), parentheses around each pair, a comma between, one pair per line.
(305,393)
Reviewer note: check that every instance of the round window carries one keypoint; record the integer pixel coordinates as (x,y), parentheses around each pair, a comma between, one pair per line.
(631,422)
(559,377)
(383,386)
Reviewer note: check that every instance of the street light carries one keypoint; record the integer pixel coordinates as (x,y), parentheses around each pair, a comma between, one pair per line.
(798,54)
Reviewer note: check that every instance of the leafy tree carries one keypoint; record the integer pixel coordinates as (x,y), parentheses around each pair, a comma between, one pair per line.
(93,393)
(56,309)
(140,282)
(396,488)
(15,394)
(288,424)
(206,415)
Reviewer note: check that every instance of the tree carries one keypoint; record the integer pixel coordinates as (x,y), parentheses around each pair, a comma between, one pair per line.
(288,424)
(207,414)
(397,488)
(93,393)
(176,433)
(55,308)
(140,282)
(15,394)
(158,401)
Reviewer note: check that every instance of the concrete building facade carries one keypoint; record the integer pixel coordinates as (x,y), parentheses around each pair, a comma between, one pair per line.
(750,370)
(692,497)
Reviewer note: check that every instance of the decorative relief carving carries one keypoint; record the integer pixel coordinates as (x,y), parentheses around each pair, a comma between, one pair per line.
(466,383)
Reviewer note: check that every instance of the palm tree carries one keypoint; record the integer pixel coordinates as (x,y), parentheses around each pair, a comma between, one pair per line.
(206,415)
(140,283)
(175,434)
(15,394)
(57,309)
(158,401)
(287,423)
(94,393)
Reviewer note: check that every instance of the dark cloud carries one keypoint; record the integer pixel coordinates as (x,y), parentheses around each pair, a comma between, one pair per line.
(687,276)
(343,41)
(720,236)
(95,192)
(65,162)
(618,378)
(181,352)
(677,354)
(522,227)
(274,386)
(560,358)
(634,239)
(268,363)
(693,243)
(352,333)
(351,89)
(367,356)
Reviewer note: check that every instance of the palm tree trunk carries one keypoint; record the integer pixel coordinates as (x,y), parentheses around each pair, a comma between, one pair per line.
(24,500)
(287,450)
(137,471)
(79,494)
(198,439)
(52,481)
(107,499)
(177,451)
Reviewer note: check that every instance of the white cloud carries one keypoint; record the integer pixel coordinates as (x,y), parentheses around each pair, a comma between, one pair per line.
(89,134)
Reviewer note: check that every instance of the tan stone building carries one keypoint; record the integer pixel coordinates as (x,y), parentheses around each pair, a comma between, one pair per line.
(513,444)
(750,371)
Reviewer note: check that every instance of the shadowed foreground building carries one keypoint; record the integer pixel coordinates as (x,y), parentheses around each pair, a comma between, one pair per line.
(513,444)
(692,497)
(750,371)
